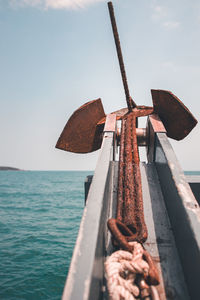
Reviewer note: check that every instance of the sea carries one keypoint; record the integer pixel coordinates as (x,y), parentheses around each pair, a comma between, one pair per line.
(40,213)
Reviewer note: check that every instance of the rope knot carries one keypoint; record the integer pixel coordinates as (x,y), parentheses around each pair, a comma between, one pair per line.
(126,273)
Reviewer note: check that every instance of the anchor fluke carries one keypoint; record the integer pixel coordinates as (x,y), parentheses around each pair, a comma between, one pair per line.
(176,117)
(81,134)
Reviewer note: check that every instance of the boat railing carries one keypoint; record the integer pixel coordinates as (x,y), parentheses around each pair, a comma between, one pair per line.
(182,207)
(86,270)
(171,212)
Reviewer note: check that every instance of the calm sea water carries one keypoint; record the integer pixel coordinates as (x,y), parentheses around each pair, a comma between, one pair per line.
(40,213)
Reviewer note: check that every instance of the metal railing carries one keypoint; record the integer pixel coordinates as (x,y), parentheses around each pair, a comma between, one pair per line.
(85,277)
(182,208)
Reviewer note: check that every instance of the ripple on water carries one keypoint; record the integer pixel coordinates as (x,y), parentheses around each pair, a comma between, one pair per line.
(40,214)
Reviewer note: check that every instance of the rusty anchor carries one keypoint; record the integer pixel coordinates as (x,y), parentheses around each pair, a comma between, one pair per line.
(83,131)
(83,134)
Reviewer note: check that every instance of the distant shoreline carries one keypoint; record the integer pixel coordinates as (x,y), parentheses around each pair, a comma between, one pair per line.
(9,169)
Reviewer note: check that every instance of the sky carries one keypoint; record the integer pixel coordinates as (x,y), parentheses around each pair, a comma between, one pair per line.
(55,55)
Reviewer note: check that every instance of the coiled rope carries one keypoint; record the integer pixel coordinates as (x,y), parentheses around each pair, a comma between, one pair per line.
(126,272)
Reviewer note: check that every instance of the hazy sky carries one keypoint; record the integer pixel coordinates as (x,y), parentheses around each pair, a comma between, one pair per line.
(56,55)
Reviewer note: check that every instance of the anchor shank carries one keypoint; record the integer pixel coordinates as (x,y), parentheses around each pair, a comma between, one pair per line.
(130,202)
(130,103)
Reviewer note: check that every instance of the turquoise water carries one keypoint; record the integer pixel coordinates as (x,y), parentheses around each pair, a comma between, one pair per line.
(40,213)
(194,173)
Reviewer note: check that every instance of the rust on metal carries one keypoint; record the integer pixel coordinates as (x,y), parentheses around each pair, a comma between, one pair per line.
(130,102)
(81,133)
(133,202)
(120,195)
(119,115)
(130,224)
(176,117)
(153,276)
(129,199)
(140,111)
(130,202)
(121,234)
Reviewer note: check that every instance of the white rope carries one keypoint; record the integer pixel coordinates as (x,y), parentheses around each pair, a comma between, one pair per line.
(121,269)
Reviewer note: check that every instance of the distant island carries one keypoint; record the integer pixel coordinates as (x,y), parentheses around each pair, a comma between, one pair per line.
(9,169)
